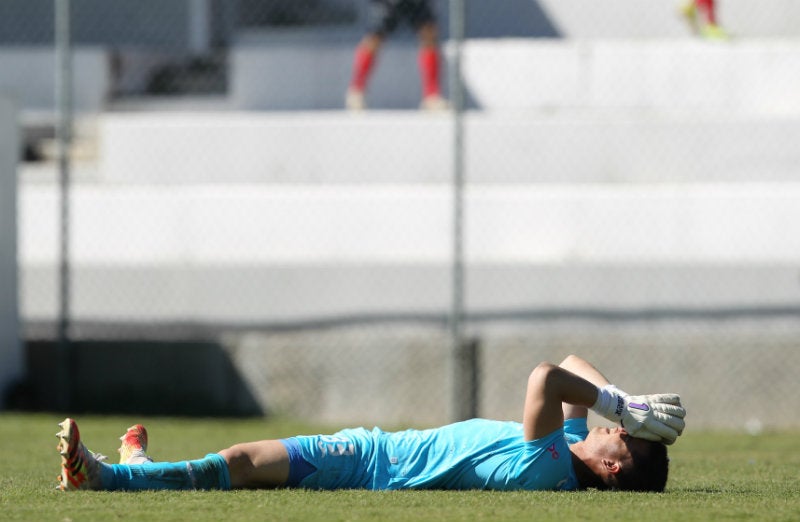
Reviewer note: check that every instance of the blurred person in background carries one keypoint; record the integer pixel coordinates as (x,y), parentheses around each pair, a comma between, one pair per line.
(383,18)
(551,449)
(702,18)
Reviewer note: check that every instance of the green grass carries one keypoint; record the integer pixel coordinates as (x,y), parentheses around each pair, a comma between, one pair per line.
(714,476)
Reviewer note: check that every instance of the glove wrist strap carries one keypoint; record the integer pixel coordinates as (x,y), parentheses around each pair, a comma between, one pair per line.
(610,403)
(613,388)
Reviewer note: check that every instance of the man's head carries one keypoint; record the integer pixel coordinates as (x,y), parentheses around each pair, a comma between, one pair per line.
(624,462)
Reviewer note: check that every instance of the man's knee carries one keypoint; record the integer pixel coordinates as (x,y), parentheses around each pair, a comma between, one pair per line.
(240,463)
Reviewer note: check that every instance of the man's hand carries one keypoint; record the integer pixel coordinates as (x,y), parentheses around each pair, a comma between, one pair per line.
(656,417)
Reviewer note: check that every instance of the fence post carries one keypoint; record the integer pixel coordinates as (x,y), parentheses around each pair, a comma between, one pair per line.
(462,396)
(11,356)
(63,97)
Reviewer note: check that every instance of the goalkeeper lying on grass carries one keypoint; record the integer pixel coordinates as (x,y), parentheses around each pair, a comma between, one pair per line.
(551,449)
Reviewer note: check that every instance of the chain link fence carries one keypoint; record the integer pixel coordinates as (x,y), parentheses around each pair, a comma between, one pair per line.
(629,194)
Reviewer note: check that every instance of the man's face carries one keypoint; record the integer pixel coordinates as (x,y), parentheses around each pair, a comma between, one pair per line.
(612,443)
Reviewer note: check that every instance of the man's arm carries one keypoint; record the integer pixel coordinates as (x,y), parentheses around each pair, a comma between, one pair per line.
(549,387)
(556,392)
(581,368)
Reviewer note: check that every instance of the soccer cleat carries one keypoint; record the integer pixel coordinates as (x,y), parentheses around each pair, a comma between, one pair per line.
(80,468)
(434,102)
(714,32)
(689,11)
(134,446)
(354,100)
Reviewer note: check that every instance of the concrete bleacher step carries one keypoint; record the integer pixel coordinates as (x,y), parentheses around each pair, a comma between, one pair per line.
(411,147)
(656,75)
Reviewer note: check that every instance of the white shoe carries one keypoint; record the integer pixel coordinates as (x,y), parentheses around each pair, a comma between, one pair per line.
(354,101)
(434,102)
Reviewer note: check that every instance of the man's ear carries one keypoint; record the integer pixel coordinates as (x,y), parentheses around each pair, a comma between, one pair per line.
(611,466)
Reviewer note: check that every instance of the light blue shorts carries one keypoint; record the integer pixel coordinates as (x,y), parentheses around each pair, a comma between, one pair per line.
(339,461)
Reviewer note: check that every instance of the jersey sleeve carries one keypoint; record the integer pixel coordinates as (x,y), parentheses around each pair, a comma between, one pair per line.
(575,430)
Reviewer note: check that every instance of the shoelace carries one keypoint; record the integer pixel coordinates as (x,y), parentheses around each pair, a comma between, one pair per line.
(99,457)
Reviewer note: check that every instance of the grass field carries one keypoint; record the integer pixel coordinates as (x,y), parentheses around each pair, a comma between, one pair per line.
(714,476)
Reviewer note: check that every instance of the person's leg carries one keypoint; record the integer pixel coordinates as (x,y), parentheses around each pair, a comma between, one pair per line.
(423,19)
(711,30)
(262,464)
(707,26)
(707,9)
(364,61)
(210,472)
(429,60)
(688,9)
(382,19)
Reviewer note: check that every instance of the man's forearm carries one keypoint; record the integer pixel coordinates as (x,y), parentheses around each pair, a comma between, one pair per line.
(549,387)
(584,369)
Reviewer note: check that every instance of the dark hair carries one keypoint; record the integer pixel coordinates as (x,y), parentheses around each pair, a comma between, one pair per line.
(649,469)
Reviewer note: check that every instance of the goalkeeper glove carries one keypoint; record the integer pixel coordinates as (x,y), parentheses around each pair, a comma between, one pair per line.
(657,417)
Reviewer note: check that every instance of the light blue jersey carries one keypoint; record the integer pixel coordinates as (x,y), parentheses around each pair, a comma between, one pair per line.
(474,454)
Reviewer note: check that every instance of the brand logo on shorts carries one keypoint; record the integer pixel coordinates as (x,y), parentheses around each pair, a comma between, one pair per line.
(335,446)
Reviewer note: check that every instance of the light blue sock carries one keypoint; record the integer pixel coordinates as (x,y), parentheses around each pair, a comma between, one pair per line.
(208,473)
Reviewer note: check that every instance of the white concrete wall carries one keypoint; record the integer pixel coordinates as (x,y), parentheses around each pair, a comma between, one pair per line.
(265,253)
(11,360)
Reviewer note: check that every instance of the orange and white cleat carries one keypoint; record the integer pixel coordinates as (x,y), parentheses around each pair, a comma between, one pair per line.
(134,446)
(80,468)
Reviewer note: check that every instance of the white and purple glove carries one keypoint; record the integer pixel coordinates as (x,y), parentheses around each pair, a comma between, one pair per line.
(657,417)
